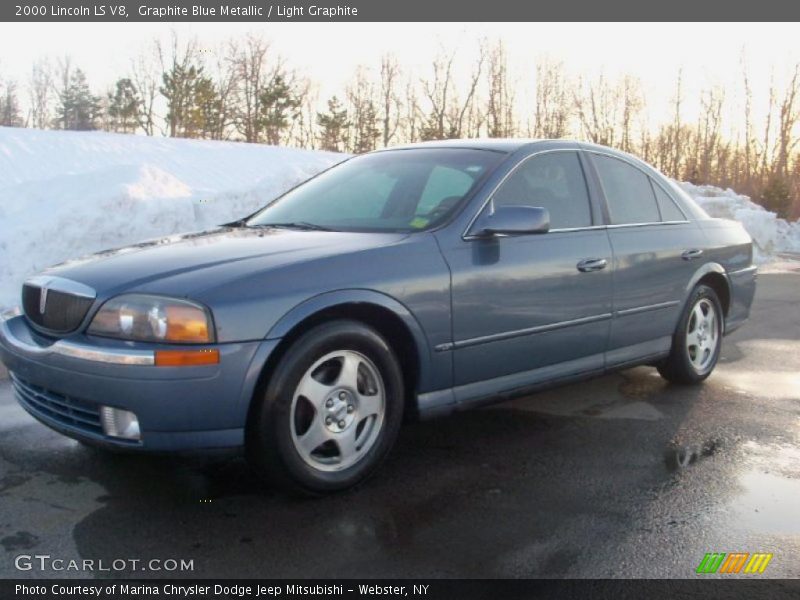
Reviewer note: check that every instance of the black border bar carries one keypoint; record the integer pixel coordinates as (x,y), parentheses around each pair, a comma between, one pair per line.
(436,589)
(264,11)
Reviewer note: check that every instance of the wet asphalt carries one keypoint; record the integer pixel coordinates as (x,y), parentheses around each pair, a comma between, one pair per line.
(621,476)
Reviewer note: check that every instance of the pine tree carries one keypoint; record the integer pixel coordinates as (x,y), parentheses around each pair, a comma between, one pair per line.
(334,125)
(9,106)
(78,108)
(124,107)
(178,87)
(279,105)
(777,196)
(206,110)
(366,132)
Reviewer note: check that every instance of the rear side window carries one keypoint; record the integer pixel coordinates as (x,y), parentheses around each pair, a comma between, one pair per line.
(628,192)
(553,181)
(669,210)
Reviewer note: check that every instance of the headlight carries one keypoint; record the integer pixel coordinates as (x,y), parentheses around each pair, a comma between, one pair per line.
(147,318)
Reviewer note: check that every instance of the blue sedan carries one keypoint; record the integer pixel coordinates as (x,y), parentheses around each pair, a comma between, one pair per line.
(418,280)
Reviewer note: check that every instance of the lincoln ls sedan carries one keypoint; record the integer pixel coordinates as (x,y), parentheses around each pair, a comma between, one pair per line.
(413,281)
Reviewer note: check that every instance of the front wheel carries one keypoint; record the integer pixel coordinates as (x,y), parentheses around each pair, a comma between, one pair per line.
(697,340)
(331,410)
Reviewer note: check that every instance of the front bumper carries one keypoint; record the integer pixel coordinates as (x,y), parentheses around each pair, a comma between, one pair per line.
(63,384)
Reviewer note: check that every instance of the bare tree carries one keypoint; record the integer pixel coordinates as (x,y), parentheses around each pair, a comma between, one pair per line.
(632,98)
(500,97)
(303,133)
(553,101)
(145,76)
(362,112)
(226,83)
(390,99)
(786,142)
(412,113)
(250,66)
(597,104)
(748,143)
(447,114)
(40,94)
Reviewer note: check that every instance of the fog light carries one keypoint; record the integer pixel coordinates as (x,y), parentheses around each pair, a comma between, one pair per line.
(120,423)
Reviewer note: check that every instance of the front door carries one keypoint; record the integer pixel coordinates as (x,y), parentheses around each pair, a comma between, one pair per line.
(532,307)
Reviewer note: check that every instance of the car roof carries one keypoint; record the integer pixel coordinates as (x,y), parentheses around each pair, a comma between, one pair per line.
(509,145)
(505,145)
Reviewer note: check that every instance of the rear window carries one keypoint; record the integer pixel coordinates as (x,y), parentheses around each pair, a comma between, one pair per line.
(669,210)
(628,192)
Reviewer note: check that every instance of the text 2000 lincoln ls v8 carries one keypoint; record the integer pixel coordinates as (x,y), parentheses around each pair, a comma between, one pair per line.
(422,280)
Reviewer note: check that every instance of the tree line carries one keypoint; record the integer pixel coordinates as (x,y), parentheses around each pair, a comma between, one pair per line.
(245,90)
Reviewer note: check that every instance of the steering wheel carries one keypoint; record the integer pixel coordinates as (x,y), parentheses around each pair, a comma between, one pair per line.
(444,206)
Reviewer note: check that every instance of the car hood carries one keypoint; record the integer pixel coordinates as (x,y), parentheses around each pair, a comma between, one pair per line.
(186,264)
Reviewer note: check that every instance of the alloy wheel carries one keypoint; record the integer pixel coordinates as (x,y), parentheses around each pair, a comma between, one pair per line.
(337,410)
(702,335)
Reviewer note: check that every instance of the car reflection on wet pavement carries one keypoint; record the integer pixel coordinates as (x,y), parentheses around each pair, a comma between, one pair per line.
(621,476)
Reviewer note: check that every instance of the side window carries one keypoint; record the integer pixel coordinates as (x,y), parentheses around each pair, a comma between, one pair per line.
(628,192)
(553,181)
(444,188)
(669,210)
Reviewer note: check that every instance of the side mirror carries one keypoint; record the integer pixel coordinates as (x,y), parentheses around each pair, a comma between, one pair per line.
(513,220)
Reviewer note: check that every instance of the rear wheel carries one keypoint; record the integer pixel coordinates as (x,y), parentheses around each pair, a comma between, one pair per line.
(331,411)
(697,340)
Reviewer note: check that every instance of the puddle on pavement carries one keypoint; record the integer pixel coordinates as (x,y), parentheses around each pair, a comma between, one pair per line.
(769,502)
(639,384)
(619,396)
(682,456)
(761,383)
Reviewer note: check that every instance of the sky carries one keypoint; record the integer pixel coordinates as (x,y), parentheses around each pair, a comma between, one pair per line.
(707,53)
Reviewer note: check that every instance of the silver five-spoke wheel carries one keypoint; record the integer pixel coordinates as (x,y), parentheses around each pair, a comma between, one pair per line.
(337,410)
(702,334)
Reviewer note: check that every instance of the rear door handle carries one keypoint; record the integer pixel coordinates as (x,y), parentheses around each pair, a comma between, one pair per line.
(692,254)
(592,264)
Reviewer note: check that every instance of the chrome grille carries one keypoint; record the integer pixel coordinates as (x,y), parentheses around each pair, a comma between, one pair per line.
(71,412)
(59,310)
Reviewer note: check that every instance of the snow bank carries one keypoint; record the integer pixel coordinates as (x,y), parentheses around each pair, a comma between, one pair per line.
(66,194)
(771,235)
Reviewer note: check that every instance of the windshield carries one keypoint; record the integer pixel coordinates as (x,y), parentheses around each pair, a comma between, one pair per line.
(401,190)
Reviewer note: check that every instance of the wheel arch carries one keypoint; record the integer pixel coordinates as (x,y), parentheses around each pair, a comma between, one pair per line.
(714,276)
(385,314)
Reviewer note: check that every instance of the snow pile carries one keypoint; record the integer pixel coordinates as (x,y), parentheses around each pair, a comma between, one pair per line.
(66,194)
(771,234)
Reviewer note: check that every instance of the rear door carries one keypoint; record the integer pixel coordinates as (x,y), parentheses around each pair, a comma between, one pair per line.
(652,242)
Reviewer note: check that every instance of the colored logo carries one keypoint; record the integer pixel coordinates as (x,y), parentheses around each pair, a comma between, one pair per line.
(734,562)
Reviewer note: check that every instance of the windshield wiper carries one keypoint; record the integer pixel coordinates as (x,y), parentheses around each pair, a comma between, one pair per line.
(303,225)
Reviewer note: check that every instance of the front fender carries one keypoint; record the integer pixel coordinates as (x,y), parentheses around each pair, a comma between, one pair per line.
(327,300)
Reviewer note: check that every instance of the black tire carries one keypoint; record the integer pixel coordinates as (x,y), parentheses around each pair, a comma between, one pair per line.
(271,446)
(678,366)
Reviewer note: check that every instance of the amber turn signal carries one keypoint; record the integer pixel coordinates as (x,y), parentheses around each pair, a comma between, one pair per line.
(187,358)
(186,324)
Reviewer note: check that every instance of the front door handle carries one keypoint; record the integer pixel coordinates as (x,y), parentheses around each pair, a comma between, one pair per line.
(692,254)
(592,264)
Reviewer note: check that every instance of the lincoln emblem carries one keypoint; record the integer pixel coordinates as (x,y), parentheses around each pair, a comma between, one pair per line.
(43,299)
